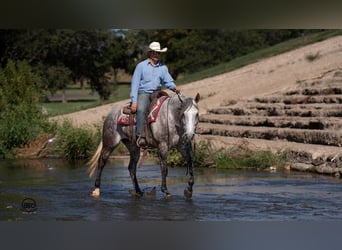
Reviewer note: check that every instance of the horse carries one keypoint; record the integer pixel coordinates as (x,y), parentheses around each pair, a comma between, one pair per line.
(174,127)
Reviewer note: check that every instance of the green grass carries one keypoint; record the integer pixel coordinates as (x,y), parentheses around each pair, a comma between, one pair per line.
(87,101)
(253,159)
(121,91)
(239,156)
(57,108)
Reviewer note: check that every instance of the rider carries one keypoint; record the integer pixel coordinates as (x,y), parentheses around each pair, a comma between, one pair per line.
(147,78)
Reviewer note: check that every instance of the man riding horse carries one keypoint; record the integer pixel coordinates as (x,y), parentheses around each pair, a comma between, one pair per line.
(148,76)
(175,126)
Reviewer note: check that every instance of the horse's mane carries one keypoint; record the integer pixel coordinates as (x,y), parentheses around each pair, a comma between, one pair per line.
(181,103)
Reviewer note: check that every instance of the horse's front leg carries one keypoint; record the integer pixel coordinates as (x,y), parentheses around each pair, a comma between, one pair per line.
(186,151)
(164,170)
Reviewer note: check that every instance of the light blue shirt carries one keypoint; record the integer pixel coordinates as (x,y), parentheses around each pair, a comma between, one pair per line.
(147,78)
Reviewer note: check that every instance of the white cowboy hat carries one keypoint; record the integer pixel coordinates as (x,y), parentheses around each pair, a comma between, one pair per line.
(155,46)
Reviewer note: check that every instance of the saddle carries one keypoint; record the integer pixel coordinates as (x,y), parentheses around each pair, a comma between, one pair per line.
(126,117)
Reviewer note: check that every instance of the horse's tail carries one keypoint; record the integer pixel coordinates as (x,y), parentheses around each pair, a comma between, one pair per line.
(94,160)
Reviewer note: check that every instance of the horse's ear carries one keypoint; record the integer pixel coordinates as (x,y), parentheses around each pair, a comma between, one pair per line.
(197,98)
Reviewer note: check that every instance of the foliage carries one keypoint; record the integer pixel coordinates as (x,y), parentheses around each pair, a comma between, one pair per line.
(175,159)
(242,157)
(20,118)
(239,156)
(18,126)
(57,78)
(312,57)
(75,143)
(88,54)
(202,156)
(19,85)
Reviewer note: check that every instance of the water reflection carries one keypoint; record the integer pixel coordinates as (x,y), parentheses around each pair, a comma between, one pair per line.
(62,192)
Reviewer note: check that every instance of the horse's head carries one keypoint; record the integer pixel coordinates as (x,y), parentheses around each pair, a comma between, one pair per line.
(189,117)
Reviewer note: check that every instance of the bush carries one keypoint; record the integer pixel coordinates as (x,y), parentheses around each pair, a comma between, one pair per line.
(18,127)
(175,159)
(239,156)
(75,143)
(229,158)
(20,118)
(312,57)
(201,155)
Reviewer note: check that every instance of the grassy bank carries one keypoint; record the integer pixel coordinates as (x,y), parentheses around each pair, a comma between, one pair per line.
(80,99)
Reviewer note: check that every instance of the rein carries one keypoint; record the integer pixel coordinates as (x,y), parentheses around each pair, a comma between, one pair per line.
(180,99)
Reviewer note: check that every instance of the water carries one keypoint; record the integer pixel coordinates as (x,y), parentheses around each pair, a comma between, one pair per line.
(62,193)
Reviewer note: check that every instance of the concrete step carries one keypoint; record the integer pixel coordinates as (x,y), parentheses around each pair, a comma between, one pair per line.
(280,109)
(319,123)
(323,90)
(300,99)
(334,81)
(322,137)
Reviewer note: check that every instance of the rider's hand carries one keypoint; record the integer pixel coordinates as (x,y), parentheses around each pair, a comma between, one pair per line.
(134,107)
(177,90)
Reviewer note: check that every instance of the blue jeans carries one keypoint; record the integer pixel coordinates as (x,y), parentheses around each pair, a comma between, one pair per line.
(142,107)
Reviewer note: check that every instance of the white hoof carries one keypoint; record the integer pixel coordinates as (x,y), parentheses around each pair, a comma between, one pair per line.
(96,192)
(167,196)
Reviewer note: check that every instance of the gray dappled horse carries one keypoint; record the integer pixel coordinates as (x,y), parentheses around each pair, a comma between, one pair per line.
(174,128)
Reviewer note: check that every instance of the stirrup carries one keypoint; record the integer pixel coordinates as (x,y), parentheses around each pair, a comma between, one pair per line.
(141,142)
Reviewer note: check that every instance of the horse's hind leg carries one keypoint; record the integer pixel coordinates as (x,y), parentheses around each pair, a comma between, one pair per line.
(110,140)
(105,153)
(186,151)
(132,166)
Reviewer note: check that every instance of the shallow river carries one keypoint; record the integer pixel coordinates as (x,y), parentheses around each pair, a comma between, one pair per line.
(56,190)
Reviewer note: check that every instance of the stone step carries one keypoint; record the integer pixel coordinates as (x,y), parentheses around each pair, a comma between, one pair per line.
(319,123)
(326,90)
(280,109)
(303,157)
(300,99)
(323,137)
(335,81)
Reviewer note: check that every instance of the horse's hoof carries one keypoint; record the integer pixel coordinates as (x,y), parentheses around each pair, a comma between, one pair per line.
(152,193)
(96,193)
(167,196)
(187,193)
(136,194)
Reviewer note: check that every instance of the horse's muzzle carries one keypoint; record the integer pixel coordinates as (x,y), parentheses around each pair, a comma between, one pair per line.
(188,137)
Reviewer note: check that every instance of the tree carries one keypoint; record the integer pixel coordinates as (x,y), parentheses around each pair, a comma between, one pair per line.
(87,54)
(20,118)
(19,85)
(58,77)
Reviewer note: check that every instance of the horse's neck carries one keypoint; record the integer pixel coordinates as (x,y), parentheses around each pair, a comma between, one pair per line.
(174,106)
